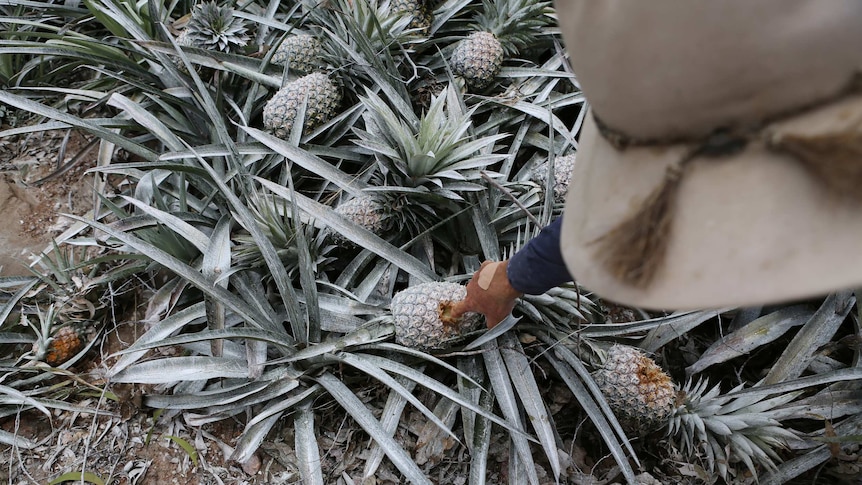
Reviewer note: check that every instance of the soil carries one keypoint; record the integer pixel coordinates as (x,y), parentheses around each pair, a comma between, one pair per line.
(41,176)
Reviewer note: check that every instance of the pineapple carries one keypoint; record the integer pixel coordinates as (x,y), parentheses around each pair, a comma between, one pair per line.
(420,13)
(722,430)
(366,211)
(507,26)
(563,167)
(421,316)
(642,396)
(478,59)
(317,90)
(300,53)
(212,27)
(62,346)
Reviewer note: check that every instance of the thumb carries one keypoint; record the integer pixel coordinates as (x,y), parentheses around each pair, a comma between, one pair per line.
(458,308)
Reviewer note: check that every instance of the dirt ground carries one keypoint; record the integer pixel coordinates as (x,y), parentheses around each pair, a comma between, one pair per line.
(113,438)
(41,176)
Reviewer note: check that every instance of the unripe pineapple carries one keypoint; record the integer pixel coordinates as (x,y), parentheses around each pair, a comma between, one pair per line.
(640,393)
(503,27)
(365,211)
(477,59)
(419,11)
(62,346)
(214,28)
(322,96)
(422,318)
(563,167)
(300,53)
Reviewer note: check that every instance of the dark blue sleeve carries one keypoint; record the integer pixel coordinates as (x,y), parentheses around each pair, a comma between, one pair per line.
(539,265)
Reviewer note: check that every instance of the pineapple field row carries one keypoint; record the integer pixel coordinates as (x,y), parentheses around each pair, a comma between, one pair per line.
(289,193)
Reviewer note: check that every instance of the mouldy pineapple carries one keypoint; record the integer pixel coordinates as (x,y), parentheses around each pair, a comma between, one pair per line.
(503,28)
(639,392)
(563,167)
(214,28)
(62,346)
(422,318)
(300,53)
(421,14)
(322,96)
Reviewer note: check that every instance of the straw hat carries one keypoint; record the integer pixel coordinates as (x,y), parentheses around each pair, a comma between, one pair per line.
(721,163)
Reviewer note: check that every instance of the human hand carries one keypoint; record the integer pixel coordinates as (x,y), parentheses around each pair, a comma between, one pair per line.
(488,293)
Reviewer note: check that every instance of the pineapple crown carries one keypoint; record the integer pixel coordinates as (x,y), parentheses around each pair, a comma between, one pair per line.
(435,151)
(361,32)
(214,27)
(422,164)
(273,217)
(729,429)
(515,23)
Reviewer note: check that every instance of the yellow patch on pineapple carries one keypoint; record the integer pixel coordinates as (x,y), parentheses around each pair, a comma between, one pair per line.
(651,377)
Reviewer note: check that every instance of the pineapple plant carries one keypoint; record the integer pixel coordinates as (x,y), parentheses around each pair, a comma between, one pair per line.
(502,29)
(321,95)
(422,320)
(362,39)
(563,167)
(700,422)
(211,27)
(301,53)
(273,219)
(424,165)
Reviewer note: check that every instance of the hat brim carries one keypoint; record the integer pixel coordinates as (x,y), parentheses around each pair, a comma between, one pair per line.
(750,229)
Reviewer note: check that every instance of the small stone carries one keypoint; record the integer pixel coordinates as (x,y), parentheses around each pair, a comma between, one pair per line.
(252,465)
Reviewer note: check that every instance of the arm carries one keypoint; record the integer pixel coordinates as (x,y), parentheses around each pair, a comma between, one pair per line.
(533,270)
(539,265)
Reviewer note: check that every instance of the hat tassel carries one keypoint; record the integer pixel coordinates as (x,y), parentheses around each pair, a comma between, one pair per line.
(835,159)
(634,250)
